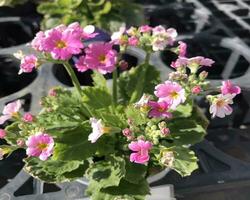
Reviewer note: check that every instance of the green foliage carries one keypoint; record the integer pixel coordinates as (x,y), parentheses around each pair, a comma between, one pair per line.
(106,14)
(73,144)
(135,173)
(105,173)
(137,117)
(55,171)
(185,161)
(133,83)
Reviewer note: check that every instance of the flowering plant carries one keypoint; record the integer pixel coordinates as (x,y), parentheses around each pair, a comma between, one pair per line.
(115,136)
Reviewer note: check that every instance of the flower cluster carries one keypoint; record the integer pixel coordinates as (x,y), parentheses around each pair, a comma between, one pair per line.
(146,37)
(142,123)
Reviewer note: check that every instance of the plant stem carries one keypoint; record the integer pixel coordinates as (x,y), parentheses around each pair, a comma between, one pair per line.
(73,77)
(147,57)
(115,86)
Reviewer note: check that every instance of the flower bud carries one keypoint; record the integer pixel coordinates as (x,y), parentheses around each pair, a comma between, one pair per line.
(27,117)
(2,133)
(123,65)
(167,158)
(20,142)
(127,132)
(203,75)
(165,131)
(196,89)
(52,92)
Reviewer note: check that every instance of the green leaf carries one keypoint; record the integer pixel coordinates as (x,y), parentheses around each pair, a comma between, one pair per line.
(135,173)
(105,173)
(96,97)
(12,133)
(73,144)
(183,110)
(53,171)
(99,80)
(186,131)
(133,83)
(136,115)
(185,161)
(127,188)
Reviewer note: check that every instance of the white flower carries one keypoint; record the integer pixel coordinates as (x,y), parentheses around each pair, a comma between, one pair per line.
(220,106)
(143,101)
(97,130)
(116,36)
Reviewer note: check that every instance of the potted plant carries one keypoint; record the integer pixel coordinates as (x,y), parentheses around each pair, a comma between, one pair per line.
(115,136)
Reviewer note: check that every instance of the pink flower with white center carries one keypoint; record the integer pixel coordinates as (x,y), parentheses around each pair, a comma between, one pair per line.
(10,110)
(220,106)
(2,133)
(133,41)
(98,129)
(170,92)
(80,64)
(63,43)
(38,42)
(180,62)
(40,145)
(141,154)
(196,89)
(28,117)
(228,88)
(159,109)
(28,63)
(101,57)
(145,29)
(182,49)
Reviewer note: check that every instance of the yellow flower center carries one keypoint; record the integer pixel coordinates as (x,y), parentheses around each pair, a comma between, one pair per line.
(174,95)
(106,129)
(102,58)
(42,146)
(60,44)
(220,103)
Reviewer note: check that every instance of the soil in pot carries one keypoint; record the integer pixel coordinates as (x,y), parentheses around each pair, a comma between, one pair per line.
(16,32)
(10,81)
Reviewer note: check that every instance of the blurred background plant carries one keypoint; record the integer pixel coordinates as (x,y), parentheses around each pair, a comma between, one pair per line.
(105,14)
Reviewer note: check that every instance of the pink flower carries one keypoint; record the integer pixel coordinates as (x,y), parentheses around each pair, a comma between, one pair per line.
(89,32)
(38,42)
(28,117)
(220,106)
(10,110)
(116,36)
(97,129)
(133,41)
(182,49)
(200,61)
(159,109)
(171,92)
(180,62)
(196,89)
(100,57)
(40,145)
(228,88)
(141,148)
(28,63)
(80,64)
(62,43)
(2,133)
(145,29)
